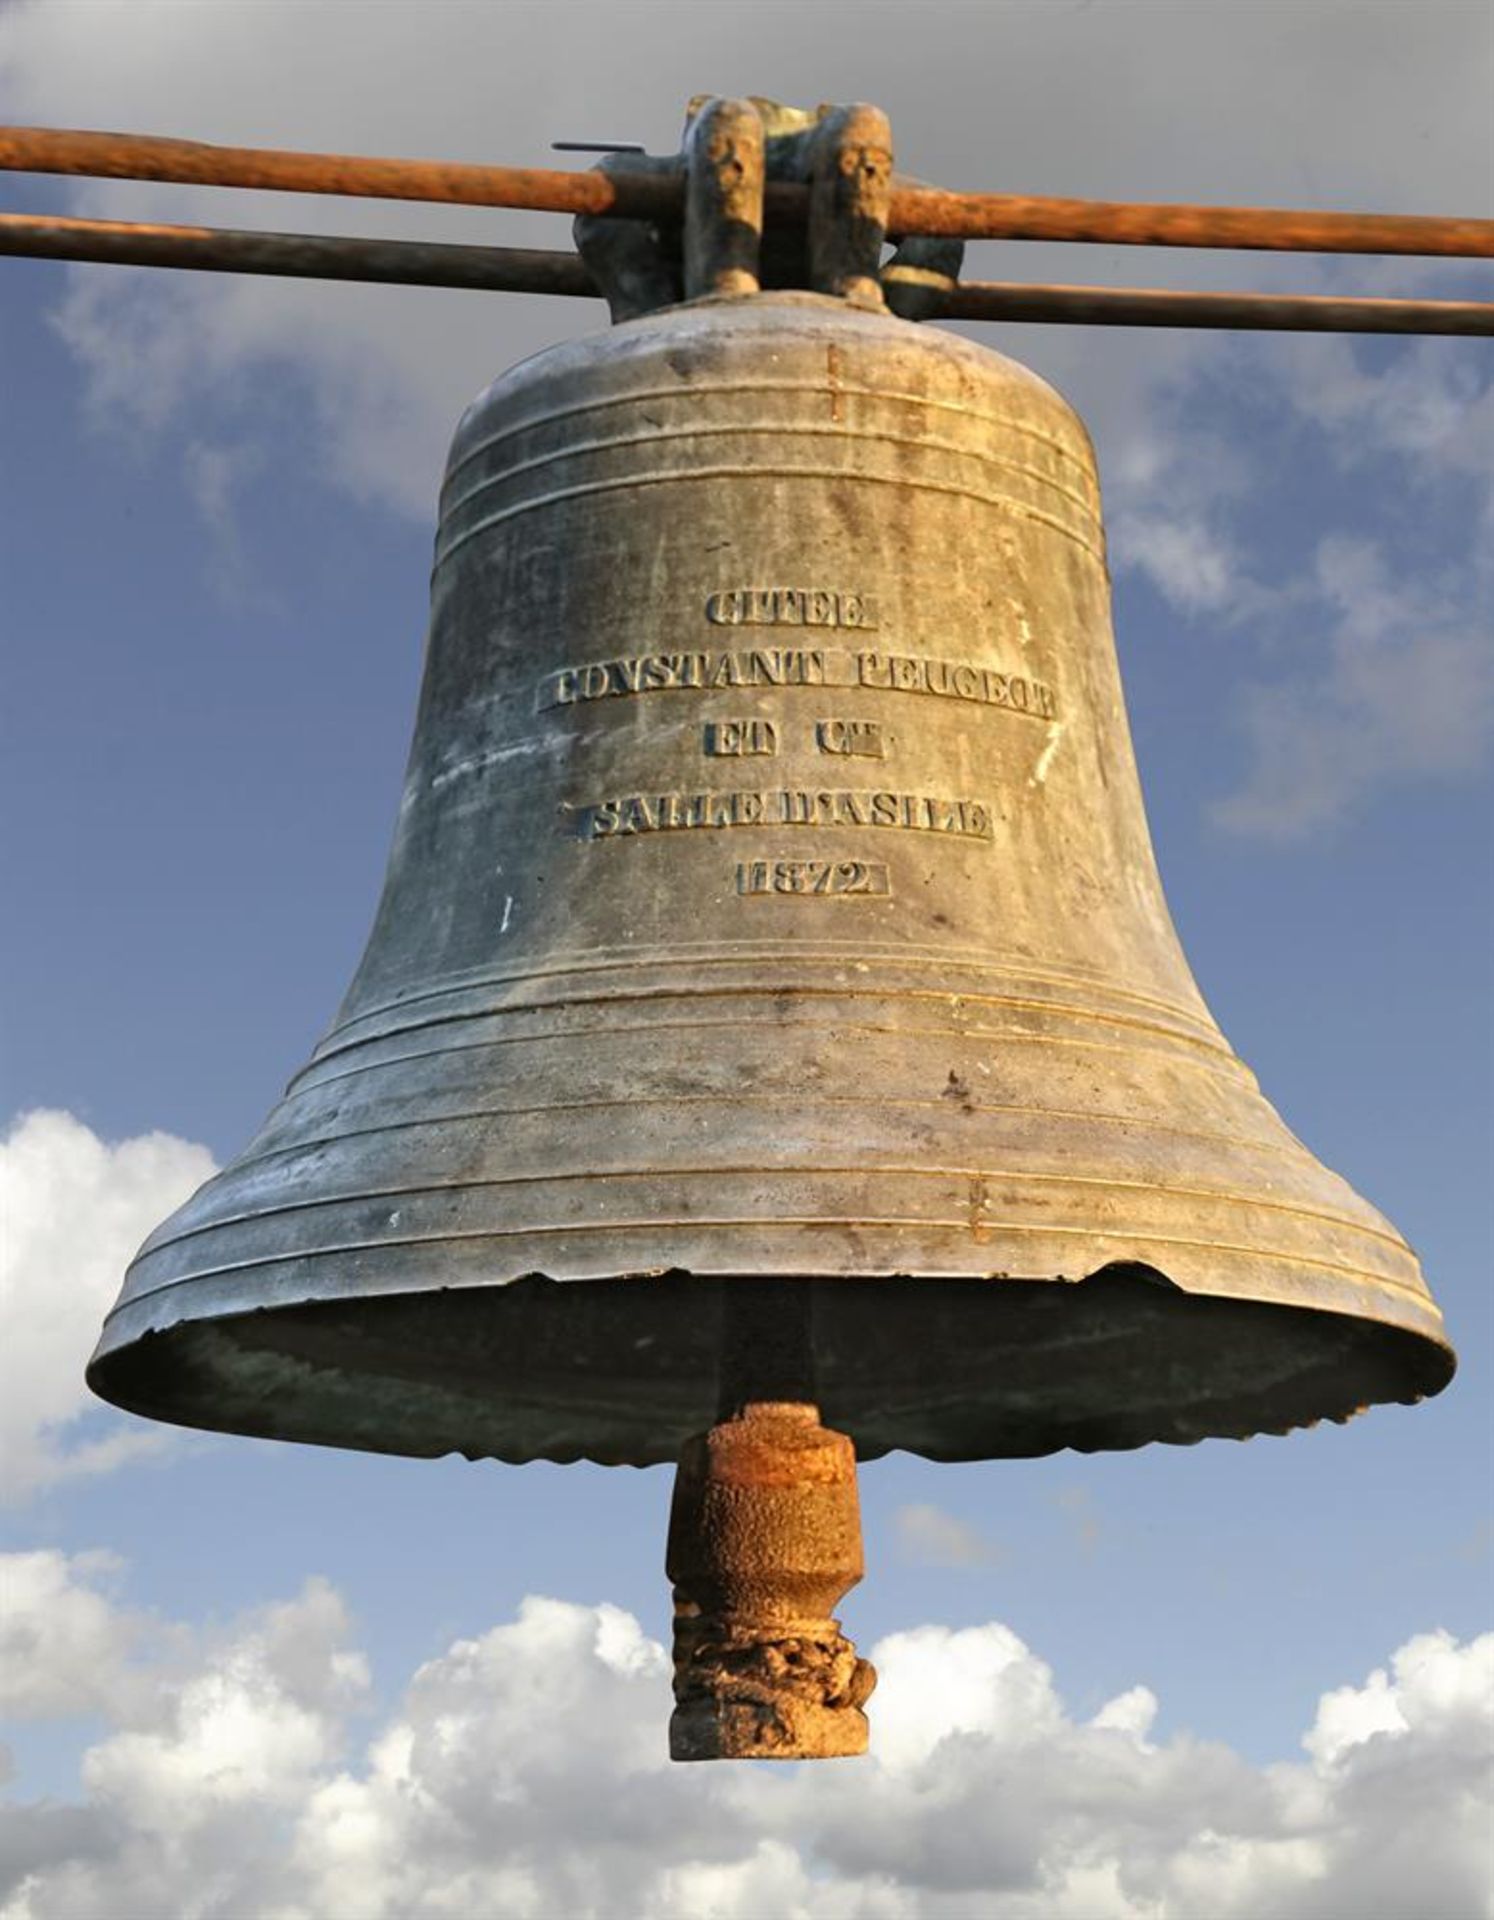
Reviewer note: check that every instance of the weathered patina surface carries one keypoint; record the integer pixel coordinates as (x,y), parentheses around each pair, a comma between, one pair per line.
(773,1045)
(772,896)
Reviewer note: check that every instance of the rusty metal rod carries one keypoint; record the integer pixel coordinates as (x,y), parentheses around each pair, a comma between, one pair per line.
(1004,216)
(920,210)
(310,256)
(1267,312)
(535,270)
(130,156)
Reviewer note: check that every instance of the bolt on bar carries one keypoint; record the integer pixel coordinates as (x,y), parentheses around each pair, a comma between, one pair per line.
(535,270)
(914,210)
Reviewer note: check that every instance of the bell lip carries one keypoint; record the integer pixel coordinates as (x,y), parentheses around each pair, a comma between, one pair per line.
(158,1294)
(126,1369)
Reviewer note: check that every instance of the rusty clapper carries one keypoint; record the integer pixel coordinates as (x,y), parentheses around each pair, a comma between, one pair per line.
(772,1047)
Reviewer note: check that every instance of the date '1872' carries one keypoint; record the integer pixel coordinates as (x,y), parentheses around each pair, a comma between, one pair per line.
(804,878)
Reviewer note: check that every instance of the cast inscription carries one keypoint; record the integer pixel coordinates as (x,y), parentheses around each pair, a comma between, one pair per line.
(814,879)
(708,670)
(790,607)
(810,662)
(634,813)
(858,739)
(740,739)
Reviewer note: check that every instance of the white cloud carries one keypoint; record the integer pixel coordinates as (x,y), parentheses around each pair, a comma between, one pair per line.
(1189,562)
(63,1644)
(255,1725)
(1400,688)
(1362,664)
(1131,1712)
(523,1773)
(1077,1505)
(928,1536)
(215,475)
(74,1210)
(1427,407)
(1421,1678)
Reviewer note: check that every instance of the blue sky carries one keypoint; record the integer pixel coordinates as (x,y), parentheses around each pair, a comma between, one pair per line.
(216,507)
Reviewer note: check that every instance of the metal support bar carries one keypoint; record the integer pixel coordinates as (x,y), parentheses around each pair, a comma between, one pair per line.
(1252,312)
(536,270)
(911,210)
(1120,223)
(309,256)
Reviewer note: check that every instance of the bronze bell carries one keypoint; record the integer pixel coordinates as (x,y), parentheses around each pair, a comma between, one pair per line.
(772,1010)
